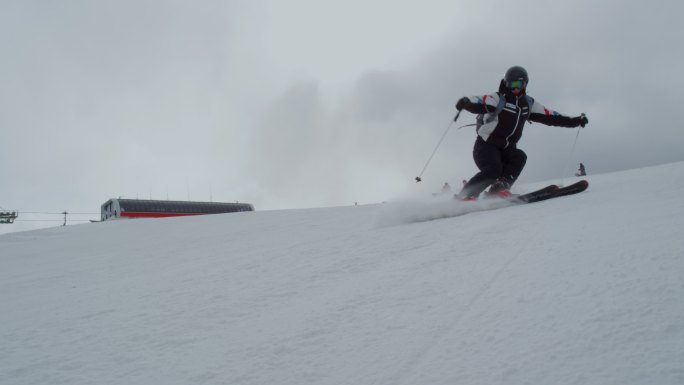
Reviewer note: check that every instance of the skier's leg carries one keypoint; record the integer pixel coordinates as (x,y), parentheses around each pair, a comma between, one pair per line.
(488,159)
(514,160)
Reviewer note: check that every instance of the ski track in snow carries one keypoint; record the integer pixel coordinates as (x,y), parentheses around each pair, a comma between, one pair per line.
(403,376)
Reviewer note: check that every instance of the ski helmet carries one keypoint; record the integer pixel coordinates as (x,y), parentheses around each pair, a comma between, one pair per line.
(516,73)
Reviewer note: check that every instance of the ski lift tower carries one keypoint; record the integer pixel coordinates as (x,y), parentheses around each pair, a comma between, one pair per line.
(7,216)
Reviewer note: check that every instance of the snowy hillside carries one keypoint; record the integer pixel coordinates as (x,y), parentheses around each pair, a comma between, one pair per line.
(586,289)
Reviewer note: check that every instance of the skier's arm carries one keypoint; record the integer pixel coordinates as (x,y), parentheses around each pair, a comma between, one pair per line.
(478,104)
(543,115)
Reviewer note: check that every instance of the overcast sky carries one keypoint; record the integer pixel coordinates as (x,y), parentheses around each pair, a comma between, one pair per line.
(309,103)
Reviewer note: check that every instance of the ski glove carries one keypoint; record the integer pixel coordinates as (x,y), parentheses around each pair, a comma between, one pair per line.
(580,120)
(462,102)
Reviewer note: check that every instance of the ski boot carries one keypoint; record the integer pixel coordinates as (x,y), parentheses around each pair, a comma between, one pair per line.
(500,189)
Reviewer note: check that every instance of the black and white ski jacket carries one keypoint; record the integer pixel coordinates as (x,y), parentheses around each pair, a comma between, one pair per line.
(505,130)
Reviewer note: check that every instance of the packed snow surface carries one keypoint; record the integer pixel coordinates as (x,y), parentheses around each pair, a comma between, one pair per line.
(585,289)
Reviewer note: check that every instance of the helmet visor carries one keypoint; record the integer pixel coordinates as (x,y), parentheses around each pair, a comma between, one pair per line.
(513,84)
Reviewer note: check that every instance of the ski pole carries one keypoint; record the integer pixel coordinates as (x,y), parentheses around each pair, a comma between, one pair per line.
(572,153)
(418,178)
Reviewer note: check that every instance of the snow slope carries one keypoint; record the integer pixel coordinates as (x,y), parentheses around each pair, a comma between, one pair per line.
(586,289)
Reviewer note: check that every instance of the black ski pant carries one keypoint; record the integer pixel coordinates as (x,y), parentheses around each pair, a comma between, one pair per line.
(494,163)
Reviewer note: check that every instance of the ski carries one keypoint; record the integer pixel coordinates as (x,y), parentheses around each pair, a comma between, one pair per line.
(533,196)
(537,195)
(553,192)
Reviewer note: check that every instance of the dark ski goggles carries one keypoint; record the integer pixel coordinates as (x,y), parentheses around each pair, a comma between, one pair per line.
(513,84)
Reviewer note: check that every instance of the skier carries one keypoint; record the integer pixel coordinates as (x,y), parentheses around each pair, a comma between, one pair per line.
(582,171)
(446,189)
(502,116)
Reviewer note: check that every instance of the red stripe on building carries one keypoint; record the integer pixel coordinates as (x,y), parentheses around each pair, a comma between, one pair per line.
(135,214)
